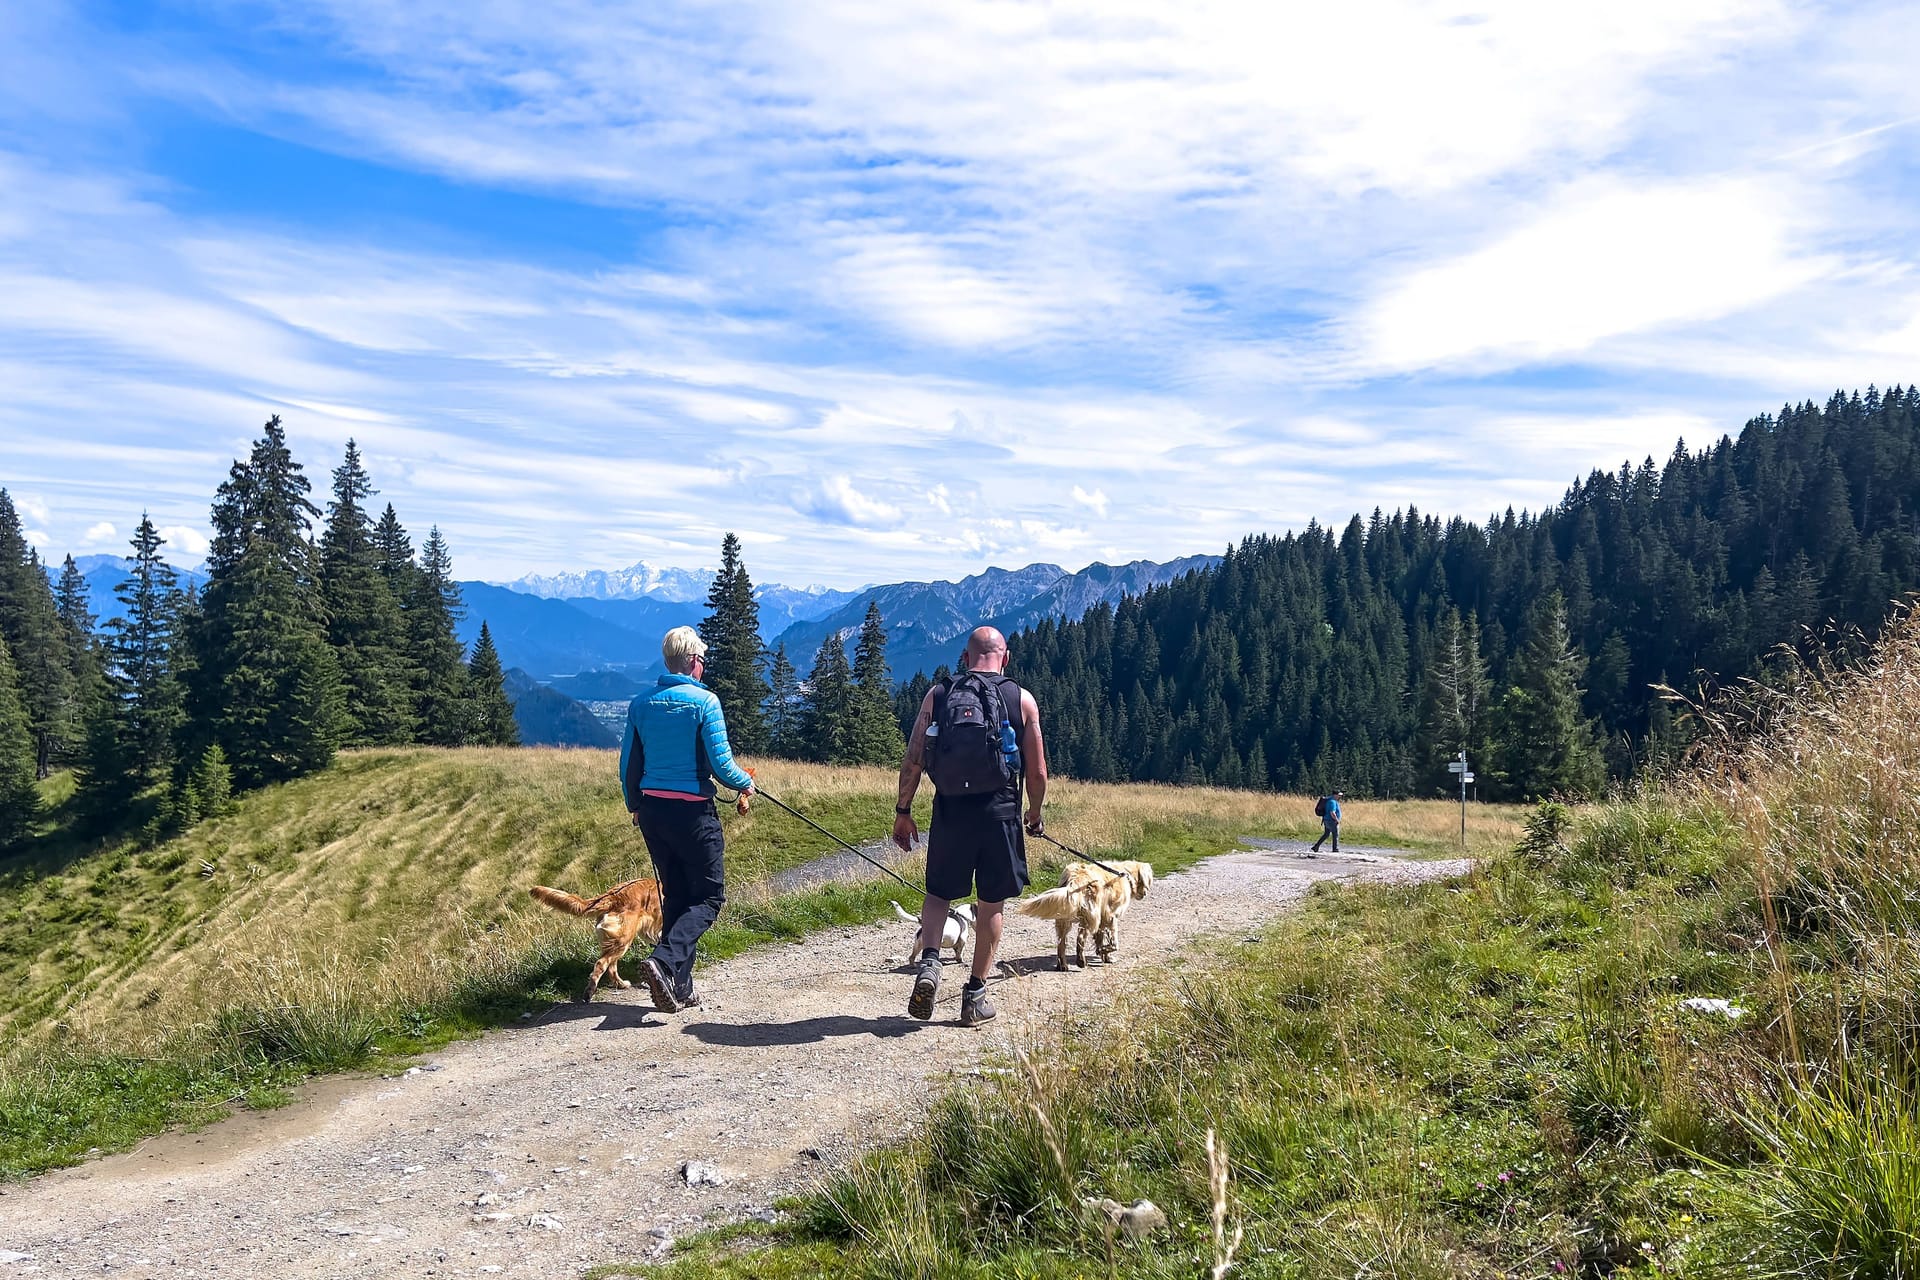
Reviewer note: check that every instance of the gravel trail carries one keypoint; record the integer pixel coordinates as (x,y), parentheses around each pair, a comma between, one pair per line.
(547,1148)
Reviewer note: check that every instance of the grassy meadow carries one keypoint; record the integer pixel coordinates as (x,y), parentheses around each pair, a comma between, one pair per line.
(380,908)
(1493,1077)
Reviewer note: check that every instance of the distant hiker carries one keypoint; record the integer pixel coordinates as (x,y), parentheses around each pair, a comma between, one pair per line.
(1328,811)
(978,737)
(675,744)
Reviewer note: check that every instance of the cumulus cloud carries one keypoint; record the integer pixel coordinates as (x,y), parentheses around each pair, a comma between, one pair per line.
(836,501)
(1095,501)
(184,543)
(99,533)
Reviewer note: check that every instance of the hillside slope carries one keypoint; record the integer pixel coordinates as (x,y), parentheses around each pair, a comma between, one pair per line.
(393,859)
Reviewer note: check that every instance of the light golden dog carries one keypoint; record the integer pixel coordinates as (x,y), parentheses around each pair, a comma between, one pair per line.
(1092,901)
(620,915)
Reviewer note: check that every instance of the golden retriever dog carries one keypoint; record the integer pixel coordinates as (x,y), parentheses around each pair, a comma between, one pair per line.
(1092,901)
(621,914)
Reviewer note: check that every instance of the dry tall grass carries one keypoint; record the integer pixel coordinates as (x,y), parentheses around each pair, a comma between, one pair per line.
(401,875)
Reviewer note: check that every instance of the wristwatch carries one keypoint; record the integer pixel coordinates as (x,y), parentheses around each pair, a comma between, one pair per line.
(903,811)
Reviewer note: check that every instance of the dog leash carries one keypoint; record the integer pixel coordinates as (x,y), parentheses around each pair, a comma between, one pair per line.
(1084,857)
(852,848)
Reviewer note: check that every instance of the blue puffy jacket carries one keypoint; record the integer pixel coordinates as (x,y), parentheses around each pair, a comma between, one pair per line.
(676,740)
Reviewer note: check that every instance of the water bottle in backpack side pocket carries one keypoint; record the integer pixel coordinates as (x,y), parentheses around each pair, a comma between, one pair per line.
(1009,747)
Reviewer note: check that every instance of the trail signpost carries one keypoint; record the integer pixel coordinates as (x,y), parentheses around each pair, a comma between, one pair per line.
(1459,766)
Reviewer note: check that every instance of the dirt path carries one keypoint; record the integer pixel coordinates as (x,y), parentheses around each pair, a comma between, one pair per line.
(542,1150)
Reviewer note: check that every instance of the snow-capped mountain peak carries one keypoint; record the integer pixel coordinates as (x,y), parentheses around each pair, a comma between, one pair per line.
(640,581)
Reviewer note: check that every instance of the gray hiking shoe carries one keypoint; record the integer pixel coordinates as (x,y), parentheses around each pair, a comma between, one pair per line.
(659,986)
(688,999)
(926,985)
(975,1007)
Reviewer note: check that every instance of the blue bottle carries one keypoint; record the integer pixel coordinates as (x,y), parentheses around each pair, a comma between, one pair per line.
(1009,747)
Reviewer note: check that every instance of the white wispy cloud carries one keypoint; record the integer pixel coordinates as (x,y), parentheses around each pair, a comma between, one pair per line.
(1599,263)
(1191,271)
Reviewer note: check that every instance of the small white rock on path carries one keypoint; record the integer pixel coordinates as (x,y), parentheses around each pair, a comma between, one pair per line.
(560,1144)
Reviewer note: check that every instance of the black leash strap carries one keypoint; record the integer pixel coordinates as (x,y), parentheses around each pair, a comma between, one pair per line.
(1084,857)
(854,849)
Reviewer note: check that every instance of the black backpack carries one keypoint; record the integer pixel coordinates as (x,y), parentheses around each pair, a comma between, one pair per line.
(966,756)
(1320,807)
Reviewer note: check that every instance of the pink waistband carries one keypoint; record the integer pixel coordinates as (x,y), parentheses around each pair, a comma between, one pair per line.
(671,795)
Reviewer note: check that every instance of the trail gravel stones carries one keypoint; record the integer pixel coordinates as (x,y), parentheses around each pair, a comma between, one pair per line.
(566,1140)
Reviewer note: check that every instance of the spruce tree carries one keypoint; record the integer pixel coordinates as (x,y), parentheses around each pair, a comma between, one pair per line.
(1548,745)
(831,707)
(785,707)
(732,632)
(433,613)
(364,622)
(265,684)
(393,551)
(490,712)
(1454,703)
(30,624)
(19,792)
(71,601)
(141,647)
(876,735)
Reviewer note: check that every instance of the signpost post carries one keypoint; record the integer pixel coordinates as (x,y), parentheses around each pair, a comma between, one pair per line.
(1459,766)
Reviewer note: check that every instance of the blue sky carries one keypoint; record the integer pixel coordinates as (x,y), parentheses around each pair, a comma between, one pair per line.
(900,291)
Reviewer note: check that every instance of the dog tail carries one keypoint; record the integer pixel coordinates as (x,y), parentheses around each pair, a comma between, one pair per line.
(1054,904)
(902,913)
(562,901)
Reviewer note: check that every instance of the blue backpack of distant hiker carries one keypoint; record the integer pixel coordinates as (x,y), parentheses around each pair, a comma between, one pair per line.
(972,748)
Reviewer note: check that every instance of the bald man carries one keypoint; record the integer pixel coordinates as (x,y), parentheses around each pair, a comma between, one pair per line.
(977,839)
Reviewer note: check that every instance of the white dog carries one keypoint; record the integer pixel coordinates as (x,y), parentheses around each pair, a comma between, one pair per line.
(958,928)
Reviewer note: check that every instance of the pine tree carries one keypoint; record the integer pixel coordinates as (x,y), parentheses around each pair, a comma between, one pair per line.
(827,721)
(490,712)
(265,685)
(19,793)
(141,647)
(876,737)
(364,622)
(30,624)
(785,707)
(1549,747)
(732,632)
(433,614)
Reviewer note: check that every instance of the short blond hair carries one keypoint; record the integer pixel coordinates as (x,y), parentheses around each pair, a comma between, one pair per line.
(681,646)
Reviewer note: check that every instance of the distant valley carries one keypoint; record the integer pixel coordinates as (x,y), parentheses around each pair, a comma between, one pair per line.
(551,637)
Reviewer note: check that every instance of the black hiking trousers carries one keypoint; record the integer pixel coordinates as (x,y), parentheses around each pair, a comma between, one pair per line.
(683,838)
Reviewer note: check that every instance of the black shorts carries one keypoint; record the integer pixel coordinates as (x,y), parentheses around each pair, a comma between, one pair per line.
(969,845)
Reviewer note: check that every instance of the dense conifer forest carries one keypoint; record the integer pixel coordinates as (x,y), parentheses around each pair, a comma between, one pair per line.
(296,647)
(1367,657)
(1364,659)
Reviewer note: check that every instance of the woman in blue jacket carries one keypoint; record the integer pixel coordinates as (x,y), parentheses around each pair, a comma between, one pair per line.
(675,745)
